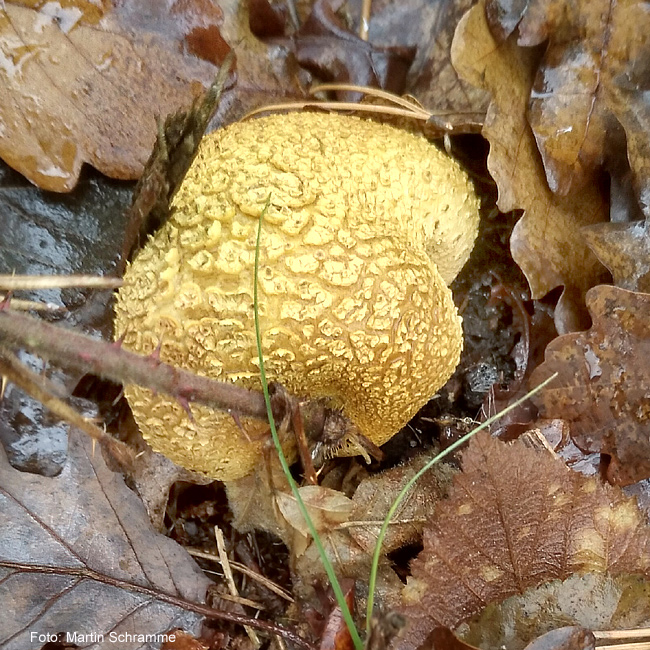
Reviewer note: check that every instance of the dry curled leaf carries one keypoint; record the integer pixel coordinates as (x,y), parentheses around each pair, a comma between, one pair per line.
(516,518)
(327,509)
(375,495)
(351,544)
(80,86)
(593,71)
(602,388)
(68,544)
(547,242)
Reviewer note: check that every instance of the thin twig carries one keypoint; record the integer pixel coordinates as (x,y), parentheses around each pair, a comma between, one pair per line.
(83,572)
(242,568)
(293,14)
(240,600)
(111,361)
(376,523)
(364,23)
(232,587)
(637,633)
(33,282)
(378,93)
(341,106)
(32,305)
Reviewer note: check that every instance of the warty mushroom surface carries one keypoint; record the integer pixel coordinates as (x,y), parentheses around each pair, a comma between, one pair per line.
(366,226)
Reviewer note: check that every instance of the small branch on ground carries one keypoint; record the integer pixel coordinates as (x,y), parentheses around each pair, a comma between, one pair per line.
(84,354)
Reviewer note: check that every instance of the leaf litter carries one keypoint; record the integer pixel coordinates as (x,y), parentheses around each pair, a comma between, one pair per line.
(65,544)
(516,519)
(554,249)
(547,242)
(602,388)
(592,73)
(78,87)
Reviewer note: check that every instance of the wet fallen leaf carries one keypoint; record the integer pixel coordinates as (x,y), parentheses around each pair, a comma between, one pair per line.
(593,70)
(516,518)
(547,242)
(602,388)
(557,435)
(624,248)
(68,543)
(266,72)
(79,86)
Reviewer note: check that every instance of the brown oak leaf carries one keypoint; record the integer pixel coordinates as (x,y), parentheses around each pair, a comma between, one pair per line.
(602,388)
(547,242)
(593,72)
(325,46)
(516,518)
(79,86)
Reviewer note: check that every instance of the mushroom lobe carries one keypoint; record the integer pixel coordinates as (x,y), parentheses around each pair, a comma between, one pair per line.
(366,225)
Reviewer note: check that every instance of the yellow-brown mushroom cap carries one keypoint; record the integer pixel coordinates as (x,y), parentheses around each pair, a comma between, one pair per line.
(352,305)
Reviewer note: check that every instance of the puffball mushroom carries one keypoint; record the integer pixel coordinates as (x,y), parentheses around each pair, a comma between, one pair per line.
(366,226)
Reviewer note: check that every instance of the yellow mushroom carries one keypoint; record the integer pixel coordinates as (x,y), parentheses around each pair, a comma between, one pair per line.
(366,226)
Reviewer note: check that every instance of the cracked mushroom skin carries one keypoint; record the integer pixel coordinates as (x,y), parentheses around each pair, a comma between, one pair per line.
(366,226)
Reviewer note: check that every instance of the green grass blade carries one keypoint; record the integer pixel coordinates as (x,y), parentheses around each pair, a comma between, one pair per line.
(400,497)
(329,569)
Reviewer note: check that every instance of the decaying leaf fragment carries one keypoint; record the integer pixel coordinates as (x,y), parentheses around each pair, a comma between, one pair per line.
(516,518)
(376,494)
(624,248)
(592,601)
(348,527)
(432,79)
(602,388)
(547,242)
